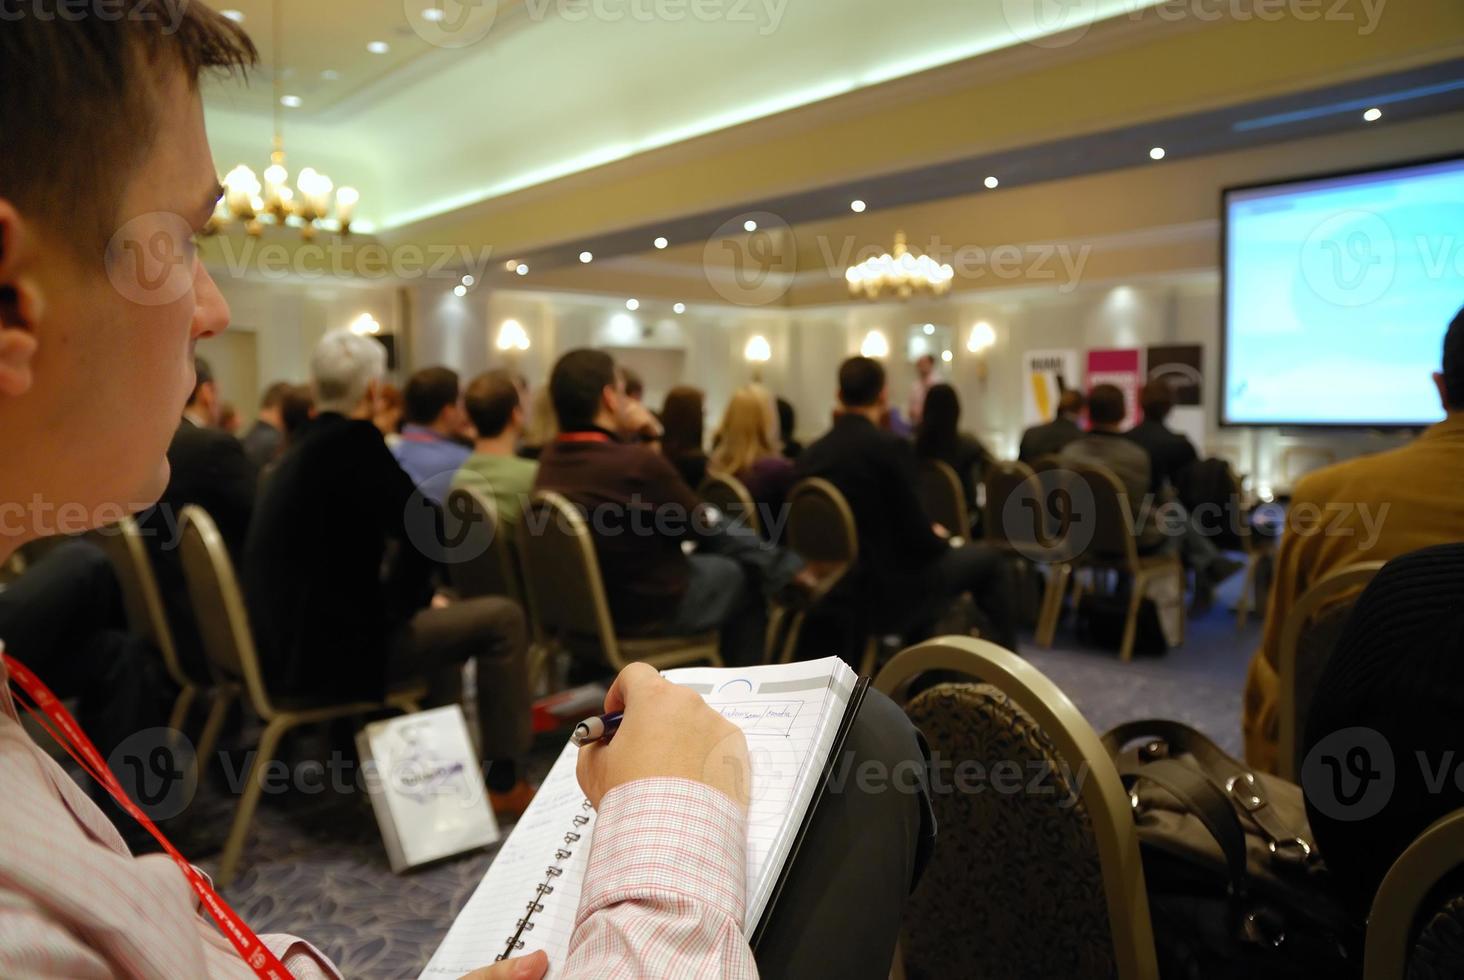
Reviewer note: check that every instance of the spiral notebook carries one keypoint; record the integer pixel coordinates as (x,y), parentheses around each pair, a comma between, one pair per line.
(795,717)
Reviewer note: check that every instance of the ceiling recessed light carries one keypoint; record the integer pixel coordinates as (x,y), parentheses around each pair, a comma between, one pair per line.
(661,242)
(632,305)
(991,182)
(468,280)
(749,225)
(587,257)
(433,14)
(237,16)
(947,356)
(330,74)
(929,329)
(290,101)
(1156,153)
(378,47)
(679,308)
(521,269)
(1373,114)
(857,206)
(460,290)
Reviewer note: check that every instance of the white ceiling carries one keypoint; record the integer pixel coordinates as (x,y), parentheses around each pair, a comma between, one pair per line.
(560,86)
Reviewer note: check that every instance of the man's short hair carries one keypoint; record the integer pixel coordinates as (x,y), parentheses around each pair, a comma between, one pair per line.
(1071,402)
(428,392)
(575,386)
(275,395)
(1156,399)
(1454,363)
(202,375)
(490,401)
(861,382)
(342,367)
(79,102)
(1105,405)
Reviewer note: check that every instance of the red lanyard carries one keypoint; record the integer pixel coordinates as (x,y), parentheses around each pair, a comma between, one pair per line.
(71,738)
(584,437)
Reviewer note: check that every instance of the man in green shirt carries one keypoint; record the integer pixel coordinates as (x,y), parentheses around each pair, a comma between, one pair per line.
(495,404)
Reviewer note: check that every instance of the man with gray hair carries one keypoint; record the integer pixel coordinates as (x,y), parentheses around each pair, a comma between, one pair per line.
(328,620)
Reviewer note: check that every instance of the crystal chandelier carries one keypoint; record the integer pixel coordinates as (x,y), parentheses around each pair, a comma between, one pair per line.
(306,206)
(900,274)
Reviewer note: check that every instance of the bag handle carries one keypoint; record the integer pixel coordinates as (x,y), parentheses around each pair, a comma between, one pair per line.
(1289,844)
(1204,799)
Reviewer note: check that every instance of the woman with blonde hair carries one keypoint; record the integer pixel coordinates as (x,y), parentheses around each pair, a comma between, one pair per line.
(747,447)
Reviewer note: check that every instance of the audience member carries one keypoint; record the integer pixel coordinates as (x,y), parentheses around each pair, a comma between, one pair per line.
(1051,438)
(388,419)
(788,428)
(939,437)
(494,403)
(296,408)
(635,388)
(229,419)
(1372,508)
(926,377)
(266,437)
(641,511)
(683,418)
(908,572)
(745,450)
(208,468)
(1170,453)
(431,448)
(1395,679)
(326,619)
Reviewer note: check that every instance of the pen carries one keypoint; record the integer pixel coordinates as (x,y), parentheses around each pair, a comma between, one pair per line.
(597,729)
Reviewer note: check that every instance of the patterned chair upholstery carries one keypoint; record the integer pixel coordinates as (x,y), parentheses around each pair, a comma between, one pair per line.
(1015,887)
(1438,954)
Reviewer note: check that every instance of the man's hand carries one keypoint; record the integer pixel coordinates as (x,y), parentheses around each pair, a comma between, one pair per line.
(530,967)
(668,731)
(637,421)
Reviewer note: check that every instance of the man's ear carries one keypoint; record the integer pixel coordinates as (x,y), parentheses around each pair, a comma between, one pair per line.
(22,303)
(1443,387)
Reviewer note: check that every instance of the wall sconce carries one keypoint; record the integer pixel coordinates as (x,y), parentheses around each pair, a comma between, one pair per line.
(982,339)
(512,336)
(365,325)
(876,344)
(758,350)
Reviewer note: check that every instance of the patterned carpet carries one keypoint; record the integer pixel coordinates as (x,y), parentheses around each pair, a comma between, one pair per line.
(316,867)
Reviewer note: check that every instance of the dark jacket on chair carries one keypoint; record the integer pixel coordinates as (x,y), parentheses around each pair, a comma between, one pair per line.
(339,556)
(209,470)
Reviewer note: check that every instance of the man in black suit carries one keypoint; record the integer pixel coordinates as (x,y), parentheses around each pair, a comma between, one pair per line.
(328,621)
(266,437)
(208,468)
(1051,438)
(908,570)
(1170,452)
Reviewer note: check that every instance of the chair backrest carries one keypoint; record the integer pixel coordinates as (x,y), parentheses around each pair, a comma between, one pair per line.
(1101,500)
(481,560)
(1437,853)
(1047,461)
(218,604)
(1309,635)
(562,576)
(1004,482)
(1026,880)
(821,529)
(730,495)
(944,498)
(146,615)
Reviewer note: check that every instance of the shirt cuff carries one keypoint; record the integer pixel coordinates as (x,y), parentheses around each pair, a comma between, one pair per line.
(667,836)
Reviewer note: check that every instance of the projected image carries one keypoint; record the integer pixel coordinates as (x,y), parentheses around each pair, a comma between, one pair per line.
(1338,294)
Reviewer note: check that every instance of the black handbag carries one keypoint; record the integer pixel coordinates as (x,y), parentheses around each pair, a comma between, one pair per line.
(1236,886)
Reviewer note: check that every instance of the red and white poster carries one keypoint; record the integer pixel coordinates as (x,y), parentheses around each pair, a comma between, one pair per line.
(1123,369)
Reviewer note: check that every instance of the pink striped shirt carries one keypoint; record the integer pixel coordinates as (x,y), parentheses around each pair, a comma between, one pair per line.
(663,897)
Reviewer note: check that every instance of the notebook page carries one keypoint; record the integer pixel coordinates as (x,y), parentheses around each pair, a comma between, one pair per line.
(483,928)
(790,714)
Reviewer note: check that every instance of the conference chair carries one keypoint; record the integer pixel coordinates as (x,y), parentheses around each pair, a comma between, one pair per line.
(1102,539)
(1047,461)
(729,495)
(944,498)
(565,588)
(1008,524)
(483,561)
(1044,883)
(1309,635)
(228,642)
(822,532)
(1396,936)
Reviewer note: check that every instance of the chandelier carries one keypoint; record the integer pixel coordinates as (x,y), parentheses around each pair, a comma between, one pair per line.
(306,206)
(899,274)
